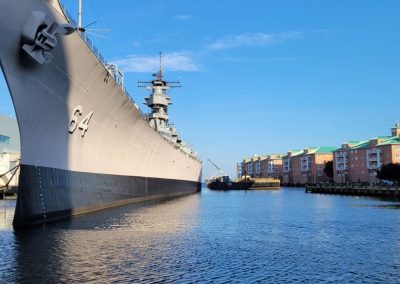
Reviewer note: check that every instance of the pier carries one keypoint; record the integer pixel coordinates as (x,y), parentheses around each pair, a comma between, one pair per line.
(8,192)
(379,190)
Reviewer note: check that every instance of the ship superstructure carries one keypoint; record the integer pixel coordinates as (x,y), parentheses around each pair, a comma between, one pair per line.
(158,101)
(85,144)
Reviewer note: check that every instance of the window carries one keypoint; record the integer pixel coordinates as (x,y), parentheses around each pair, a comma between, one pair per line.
(5,139)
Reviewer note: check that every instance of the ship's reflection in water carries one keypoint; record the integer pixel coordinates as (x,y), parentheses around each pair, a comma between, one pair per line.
(220,237)
(128,243)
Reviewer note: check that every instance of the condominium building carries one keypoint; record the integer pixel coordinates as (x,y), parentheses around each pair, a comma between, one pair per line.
(261,166)
(341,159)
(308,166)
(253,166)
(287,166)
(354,161)
(365,158)
(247,167)
(273,166)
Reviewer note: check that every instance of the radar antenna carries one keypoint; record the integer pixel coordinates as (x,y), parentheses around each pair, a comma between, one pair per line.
(159,78)
(82,29)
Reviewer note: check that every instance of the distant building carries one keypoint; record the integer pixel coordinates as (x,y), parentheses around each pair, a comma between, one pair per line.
(287,166)
(273,167)
(252,167)
(9,134)
(261,166)
(308,167)
(239,171)
(359,161)
(341,157)
(254,164)
(354,161)
(247,167)
(9,147)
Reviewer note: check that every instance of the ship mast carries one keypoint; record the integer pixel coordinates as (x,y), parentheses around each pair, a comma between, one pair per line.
(161,71)
(79,15)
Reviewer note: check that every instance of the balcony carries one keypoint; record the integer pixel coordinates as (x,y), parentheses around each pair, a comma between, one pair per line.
(341,155)
(373,157)
(373,165)
(287,169)
(341,167)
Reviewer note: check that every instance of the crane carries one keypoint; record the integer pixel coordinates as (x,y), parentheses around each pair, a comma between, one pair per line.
(218,168)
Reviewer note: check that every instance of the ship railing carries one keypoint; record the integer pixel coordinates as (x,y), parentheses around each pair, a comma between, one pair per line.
(114,72)
(185,149)
(85,38)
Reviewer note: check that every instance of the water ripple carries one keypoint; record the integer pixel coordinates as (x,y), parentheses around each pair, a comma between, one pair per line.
(231,237)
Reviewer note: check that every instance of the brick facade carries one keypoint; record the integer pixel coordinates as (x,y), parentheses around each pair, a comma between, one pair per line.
(360,160)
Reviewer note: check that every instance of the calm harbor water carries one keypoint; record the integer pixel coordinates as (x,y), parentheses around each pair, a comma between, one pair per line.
(283,236)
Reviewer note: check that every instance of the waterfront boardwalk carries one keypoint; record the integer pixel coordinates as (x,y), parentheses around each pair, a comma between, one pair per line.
(356,189)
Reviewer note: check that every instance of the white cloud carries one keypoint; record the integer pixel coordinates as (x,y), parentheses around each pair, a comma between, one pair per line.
(183,17)
(257,39)
(146,64)
(258,60)
(325,32)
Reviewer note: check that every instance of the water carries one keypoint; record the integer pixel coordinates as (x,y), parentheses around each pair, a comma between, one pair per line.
(283,236)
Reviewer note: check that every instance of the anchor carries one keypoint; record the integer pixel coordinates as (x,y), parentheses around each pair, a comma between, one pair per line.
(39,36)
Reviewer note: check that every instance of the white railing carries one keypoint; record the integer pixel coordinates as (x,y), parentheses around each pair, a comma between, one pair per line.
(117,76)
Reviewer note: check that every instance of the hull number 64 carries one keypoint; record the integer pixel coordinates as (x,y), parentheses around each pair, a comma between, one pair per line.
(74,123)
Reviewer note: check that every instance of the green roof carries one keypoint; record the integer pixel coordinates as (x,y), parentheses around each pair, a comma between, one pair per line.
(354,144)
(295,152)
(275,156)
(326,150)
(390,141)
(362,144)
(318,150)
(387,140)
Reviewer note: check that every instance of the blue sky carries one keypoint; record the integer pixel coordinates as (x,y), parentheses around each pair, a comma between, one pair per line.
(259,76)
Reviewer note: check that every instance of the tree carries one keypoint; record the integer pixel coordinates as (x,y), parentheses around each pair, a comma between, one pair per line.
(389,172)
(328,170)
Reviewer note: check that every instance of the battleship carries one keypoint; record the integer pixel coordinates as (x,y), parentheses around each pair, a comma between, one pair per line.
(85,144)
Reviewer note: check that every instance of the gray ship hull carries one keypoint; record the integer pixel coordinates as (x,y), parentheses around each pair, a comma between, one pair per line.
(118,158)
(50,194)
